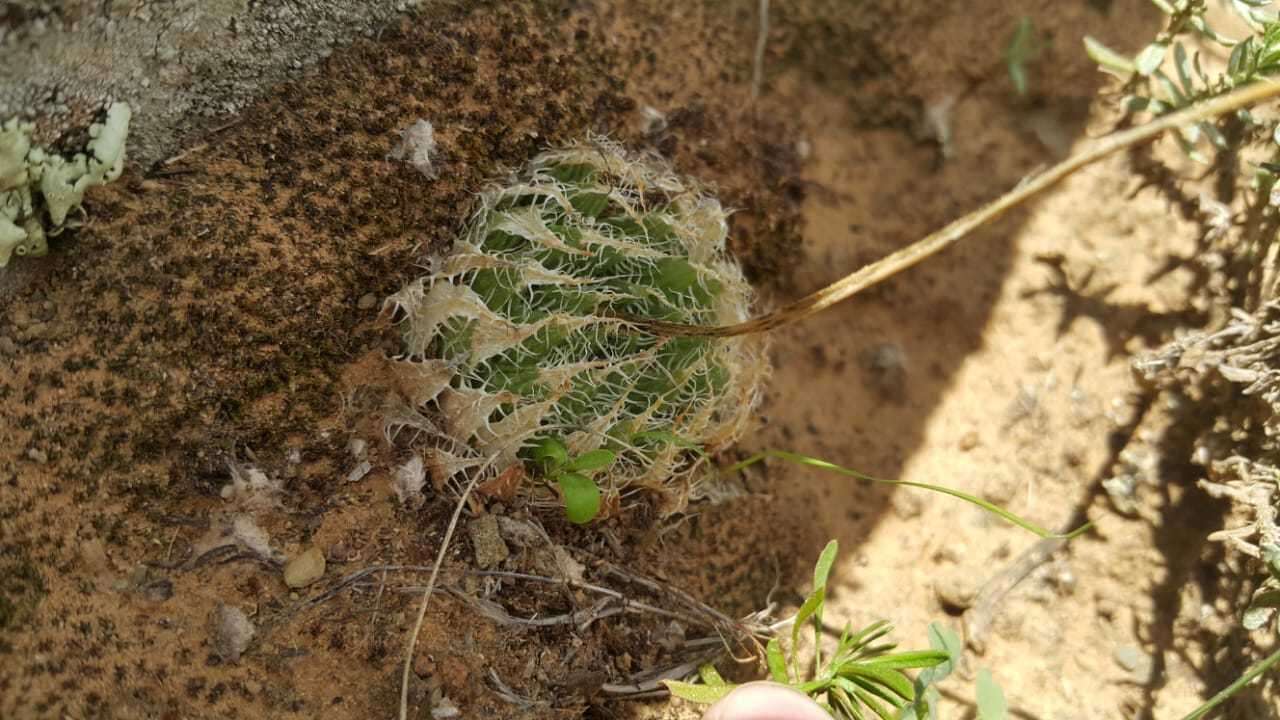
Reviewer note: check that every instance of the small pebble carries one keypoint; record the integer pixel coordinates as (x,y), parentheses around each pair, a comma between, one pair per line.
(37,455)
(232,632)
(8,346)
(158,590)
(956,590)
(304,569)
(487,541)
(1137,662)
(359,471)
(367,301)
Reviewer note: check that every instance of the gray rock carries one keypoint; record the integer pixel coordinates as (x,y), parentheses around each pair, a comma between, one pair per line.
(1137,662)
(232,632)
(486,540)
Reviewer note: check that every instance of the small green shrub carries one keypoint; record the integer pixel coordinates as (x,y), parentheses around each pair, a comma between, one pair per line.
(523,348)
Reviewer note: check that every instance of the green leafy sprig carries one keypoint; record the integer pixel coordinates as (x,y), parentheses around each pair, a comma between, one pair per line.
(864,676)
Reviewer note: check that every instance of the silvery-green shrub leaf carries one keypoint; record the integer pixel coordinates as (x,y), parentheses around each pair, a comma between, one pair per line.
(991,702)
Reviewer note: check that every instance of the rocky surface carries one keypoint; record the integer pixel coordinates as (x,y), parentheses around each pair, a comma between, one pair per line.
(184,66)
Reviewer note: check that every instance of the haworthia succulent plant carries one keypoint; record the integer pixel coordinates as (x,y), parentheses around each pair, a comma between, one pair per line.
(521,345)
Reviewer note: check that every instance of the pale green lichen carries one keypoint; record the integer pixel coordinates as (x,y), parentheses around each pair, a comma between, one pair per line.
(39,189)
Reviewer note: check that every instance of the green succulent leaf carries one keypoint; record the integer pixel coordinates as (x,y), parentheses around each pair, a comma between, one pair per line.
(551,453)
(592,461)
(581,497)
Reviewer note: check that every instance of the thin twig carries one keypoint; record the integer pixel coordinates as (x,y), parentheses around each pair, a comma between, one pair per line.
(950,234)
(978,618)
(426,596)
(762,39)
(359,575)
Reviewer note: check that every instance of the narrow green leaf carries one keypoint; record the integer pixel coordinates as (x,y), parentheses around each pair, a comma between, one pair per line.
(592,460)
(846,704)
(892,679)
(1020,50)
(710,676)
(812,604)
(1175,96)
(865,698)
(910,660)
(1018,77)
(1150,58)
(1199,25)
(1239,56)
(1182,65)
(871,633)
(991,702)
(822,570)
(799,459)
(581,497)
(1108,60)
(701,694)
(875,689)
(776,661)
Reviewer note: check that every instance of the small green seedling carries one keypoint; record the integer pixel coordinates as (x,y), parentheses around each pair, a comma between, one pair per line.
(1023,48)
(573,475)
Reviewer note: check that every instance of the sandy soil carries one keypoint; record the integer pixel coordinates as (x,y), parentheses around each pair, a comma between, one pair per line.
(221,314)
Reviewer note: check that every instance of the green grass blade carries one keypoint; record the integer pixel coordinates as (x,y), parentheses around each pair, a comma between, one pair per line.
(866,698)
(799,459)
(777,662)
(1249,676)
(892,679)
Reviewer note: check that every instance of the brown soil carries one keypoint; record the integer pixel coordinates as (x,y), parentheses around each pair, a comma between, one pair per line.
(216,315)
